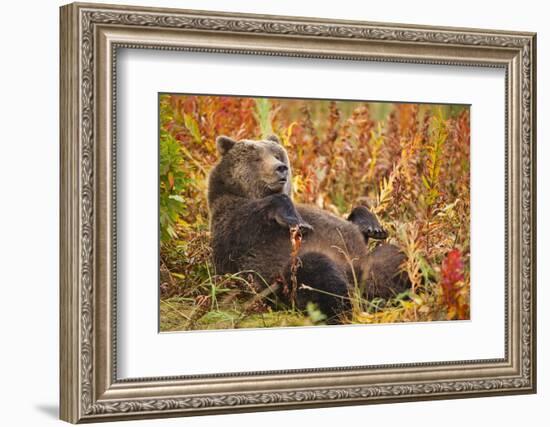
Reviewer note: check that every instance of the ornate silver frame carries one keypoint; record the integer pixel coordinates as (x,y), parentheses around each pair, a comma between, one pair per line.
(90,36)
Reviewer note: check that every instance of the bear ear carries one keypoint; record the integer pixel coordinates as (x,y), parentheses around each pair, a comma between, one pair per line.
(224,144)
(274,138)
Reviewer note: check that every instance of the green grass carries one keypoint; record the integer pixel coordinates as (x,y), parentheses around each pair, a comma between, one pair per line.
(175,315)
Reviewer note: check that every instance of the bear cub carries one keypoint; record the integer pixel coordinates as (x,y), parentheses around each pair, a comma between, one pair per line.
(251,212)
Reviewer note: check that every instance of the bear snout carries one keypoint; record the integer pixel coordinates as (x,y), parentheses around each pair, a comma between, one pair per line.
(281,171)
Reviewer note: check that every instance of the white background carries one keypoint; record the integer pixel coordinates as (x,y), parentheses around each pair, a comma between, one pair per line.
(29,170)
(144,73)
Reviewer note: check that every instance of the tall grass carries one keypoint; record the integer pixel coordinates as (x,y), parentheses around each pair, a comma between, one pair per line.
(409,162)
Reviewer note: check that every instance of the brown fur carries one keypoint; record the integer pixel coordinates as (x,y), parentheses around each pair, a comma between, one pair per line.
(251,212)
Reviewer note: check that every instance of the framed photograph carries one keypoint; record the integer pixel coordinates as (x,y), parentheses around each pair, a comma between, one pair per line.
(266,212)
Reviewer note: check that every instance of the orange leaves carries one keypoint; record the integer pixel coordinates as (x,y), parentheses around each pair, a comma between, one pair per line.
(408,119)
(171,181)
(296,242)
(455,294)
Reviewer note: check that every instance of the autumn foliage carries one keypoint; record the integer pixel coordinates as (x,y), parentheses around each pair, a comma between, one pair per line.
(409,162)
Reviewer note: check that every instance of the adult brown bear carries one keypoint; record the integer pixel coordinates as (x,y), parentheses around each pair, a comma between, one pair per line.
(251,212)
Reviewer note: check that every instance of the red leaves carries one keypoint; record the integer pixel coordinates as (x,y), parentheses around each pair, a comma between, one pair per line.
(454,293)
(189,105)
(232,116)
(451,269)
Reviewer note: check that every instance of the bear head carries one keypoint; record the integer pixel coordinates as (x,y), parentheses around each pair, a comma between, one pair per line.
(251,169)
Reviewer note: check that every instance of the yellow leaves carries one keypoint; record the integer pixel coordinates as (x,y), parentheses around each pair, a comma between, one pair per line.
(298,184)
(286,137)
(408,235)
(387,316)
(435,151)
(406,311)
(376,141)
(385,191)
(192,126)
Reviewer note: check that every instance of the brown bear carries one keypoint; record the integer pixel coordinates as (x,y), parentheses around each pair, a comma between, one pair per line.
(251,212)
